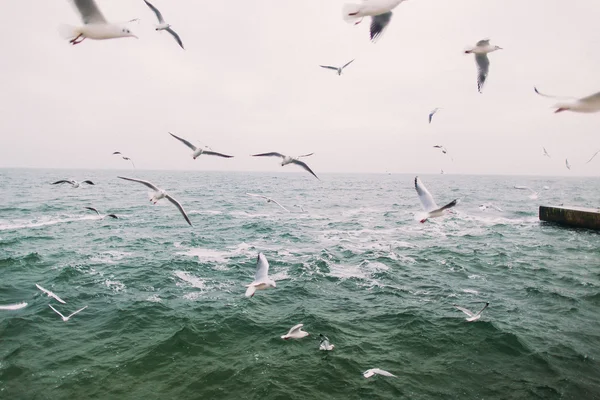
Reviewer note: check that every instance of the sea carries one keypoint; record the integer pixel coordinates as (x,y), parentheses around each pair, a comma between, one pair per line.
(167,318)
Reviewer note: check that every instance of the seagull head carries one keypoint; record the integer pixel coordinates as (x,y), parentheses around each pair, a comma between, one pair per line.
(125,32)
(271,283)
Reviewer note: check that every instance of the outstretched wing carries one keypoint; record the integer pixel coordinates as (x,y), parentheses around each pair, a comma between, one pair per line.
(117,152)
(158,14)
(88,182)
(214,153)
(62,181)
(306,167)
(56,311)
(328,67)
(13,306)
(93,209)
(112,216)
(425,197)
(306,155)
(449,205)
(596,153)
(188,144)
(484,307)
(483,66)
(483,42)
(89,11)
(295,328)
(145,183)
(274,201)
(378,24)
(348,63)
(176,36)
(180,207)
(469,313)
(262,268)
(78,311)
(272,154)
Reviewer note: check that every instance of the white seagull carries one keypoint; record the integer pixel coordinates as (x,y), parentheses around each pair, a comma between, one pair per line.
(17,306)
(324,343)
(472,317)
(163,26)
(567,164)
(98,212)
(533,195)
(546,153)
(595,154)
(376,371)
(338,69)
(269,200)
(124,157)
(433,112)
(261,277)
(71,182)
(380,12)
(485,206)
(431,208)
(295,332)
(589,104)
(94,25)
(160,194)
(481,50)
(198,151)
(50,294)
(65,319)
(289,160)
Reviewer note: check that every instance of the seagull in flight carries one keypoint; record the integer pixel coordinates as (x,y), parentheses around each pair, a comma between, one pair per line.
(595,154)
(567,164)
(376,371)
(50,294)
(338,69)
(73,183)
(295,332)
(65,319)
(269,200)
(261,277)
(533,195)
(433,112)
(485,206)
(431,208)
(444,150)
(124,158)
(588,104)
(162,25)
(472,316)
(380,12)
(17,306)
(324,343)
(94,26)
(481,50)
(98,212)
(198,151)
(160,194)
(289,160)
(546,153)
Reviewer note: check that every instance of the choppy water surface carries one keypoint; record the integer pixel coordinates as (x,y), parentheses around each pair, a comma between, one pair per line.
(167,316)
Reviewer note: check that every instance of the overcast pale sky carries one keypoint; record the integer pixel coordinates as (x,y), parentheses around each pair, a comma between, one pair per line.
(249,81)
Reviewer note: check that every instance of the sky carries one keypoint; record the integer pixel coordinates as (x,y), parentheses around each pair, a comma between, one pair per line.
(249,81)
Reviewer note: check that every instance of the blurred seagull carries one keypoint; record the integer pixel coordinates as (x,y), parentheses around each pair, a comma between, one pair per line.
(546,153)
(481,50)
(380,12)
(324,343)
(73,183)
(269,200)
(432,113)
(289,160)
(431,208)
(295,332)
(567,164)
(485,206)
(261,277)
(595,154)
(589,104)
(98,212)
(65,319)
(338,69)
(124,158)
(472,316)
(17,306)
(376,371)
(160,194)
(94,25)
(50,294)
(197,151)
(532,196)
(163,26)
(444,150)
(300,207)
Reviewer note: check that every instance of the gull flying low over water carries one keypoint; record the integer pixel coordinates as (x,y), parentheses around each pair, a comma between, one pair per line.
(472,316)
(376,371)
(380,12)
(324,343)
(546,153)
(289,160)
(588,104)
(94,25)
(124,157)
(431,208)
(485,206)
(338,69)
(50,294)
(533,195)
(481,50)
(98,212)
(160,194)
(65,319)
(269,200)
(261,277)
(433,112)
(162,25)
(17,306)
(198,151)
(73,183)
(595,154)
(295,332)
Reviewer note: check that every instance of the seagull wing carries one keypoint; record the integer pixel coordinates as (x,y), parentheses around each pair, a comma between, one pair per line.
(280,205)
(348,63)
(88,182)
(594,98)
(272,154)
(328,67)
(258,195)
(567,164)
(431,116)
(553,97)
(469,313)
(214,153)
(368,373)
(180,207)
(483,42)
(176,36)
(50,294)
(158,14)
(117,152)
(378,24)
(63,181)
(425,197)
(188,144)
(262,268)
(306,167)
(596,153)
(382,372)
(13,306)
(78,311)
(483,66)
(112,216)
(295,328)
(56,311)
(484,307)
(89,11)
(306,155)
(93,209)
(145,183)
(449,205)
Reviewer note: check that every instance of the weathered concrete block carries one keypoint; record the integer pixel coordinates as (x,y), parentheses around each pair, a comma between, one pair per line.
(571,216)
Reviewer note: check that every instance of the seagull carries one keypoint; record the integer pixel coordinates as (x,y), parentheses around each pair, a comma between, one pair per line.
(98,212)
(269,200)
(65,319)
(472,317)
(338,69)
(289,160)
(261,277)
(324,344)
(376,371)
(94,25)
(432,113)
(589,104)
(73,183)
(546,153)
(485,206)
(533,195)
(432,209)
(567,164)
(300,207)
(163,26)
(444,150)
(481,50)
(50,294)
(13,306)
(380,12)
(595,154)
(124,158)
(160,194)
(197,151)
(442,172)
(295,332)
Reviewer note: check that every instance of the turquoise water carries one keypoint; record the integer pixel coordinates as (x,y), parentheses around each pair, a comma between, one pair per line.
(167,316)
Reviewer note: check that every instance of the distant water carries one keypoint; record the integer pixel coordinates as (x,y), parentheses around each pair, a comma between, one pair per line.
(168,319)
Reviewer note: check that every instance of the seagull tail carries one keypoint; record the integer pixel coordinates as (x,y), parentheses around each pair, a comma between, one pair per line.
(68,32)
(250,291)
(350,12)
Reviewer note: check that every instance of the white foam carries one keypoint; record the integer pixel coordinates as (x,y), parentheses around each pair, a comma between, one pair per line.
(115,286)
(196,282)
(207,254)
